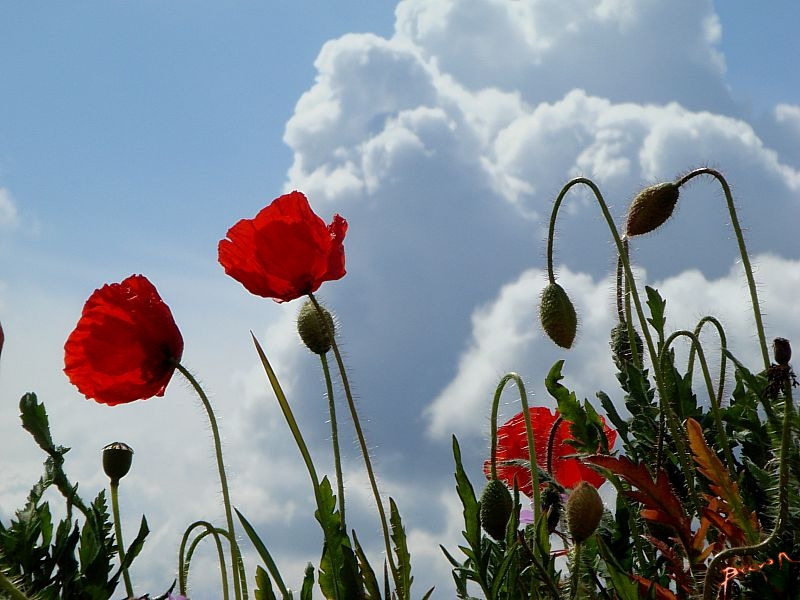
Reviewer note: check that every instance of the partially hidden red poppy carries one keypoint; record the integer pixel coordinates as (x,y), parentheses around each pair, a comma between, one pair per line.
(286,251)
(126,344)
(512,445)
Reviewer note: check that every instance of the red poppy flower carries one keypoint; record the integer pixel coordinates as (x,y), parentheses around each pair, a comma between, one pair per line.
(512,445)
(286,252)
(125,345)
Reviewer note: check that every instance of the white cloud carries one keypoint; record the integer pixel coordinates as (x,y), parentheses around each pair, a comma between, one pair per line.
(8,210)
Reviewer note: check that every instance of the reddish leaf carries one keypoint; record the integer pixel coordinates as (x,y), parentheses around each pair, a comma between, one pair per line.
(661,505)
(645,586)
(720,483)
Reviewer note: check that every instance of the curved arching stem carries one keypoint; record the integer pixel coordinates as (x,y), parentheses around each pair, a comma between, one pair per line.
(526,415)
(675,430)
(712,396)
(748,269)
(723,360)
(184,558)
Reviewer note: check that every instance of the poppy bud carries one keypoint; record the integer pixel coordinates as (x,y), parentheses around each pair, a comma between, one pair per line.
(584,510)
(315,335)
(558,316)
(651,208)
(621,344)
(117,459)
(782,350)
(496,506)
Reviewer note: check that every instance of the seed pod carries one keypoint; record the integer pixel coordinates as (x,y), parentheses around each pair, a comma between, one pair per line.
(621,344)
(496,506)
(651,208)
(557,315)
(117,459)
(782,351)
(584,510)
(312,330)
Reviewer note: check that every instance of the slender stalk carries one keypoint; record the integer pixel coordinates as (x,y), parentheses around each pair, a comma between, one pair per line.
(526,416)
(576,571)
(723,361)
(671,418)
(223,478)
(709,587)
(114,485)
(362,444)
(184,558)
(551,440)
(8,588)
(748,270)
(337,455)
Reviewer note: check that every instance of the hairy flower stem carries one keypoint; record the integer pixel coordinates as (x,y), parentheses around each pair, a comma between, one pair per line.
(575,583)
(710,590)
(723,361)
(114,486)
(337,455)
(223,478)
(551,441)
(748,270)
(362,442)
(712,396)
(526,415)
(185,558)
(672,420)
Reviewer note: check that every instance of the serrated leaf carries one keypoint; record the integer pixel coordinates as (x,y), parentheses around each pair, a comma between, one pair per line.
(401,551)
(657,307)
(307,590)
(585,426)
(720,483)
(661,504)
(338,568)
(371,585)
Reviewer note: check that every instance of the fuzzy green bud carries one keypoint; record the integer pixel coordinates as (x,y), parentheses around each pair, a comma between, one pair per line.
(651,208)
(558,317)
(315,335)
(584,511)
(117,460)
(496,506)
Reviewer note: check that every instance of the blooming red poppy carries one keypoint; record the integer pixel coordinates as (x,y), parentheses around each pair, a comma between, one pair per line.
(125,345)
(512,445)
(286,251)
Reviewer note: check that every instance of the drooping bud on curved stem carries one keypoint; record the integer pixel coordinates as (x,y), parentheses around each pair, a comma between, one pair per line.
(651,208)
(557,315)
(526,415)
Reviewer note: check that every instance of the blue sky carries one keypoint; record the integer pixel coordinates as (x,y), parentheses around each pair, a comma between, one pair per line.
(132,135)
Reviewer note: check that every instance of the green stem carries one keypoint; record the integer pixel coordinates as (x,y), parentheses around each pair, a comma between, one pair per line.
(671,418)
(709,587)
(223,479)
(185,558)
(712,396)
(526,416)
(363,445)
(337,455)
(114,485)
(751,284)
(12,591)
(576,564)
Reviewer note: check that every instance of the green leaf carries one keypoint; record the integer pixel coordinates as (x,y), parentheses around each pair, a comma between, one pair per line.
(308,583)
(624,587)
(373,590)
(338,568)
(401,551)
(657,308)
(35,421)
(585,427)
(261,548)
(263,589)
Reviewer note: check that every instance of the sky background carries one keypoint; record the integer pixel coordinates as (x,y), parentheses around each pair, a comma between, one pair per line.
(133,135)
